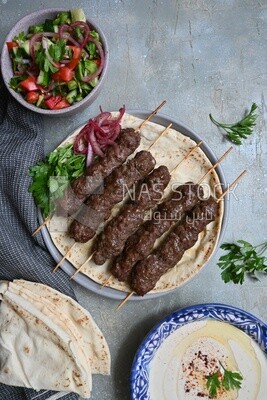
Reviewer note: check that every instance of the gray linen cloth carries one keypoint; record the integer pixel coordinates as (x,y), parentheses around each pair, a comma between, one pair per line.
(21,255)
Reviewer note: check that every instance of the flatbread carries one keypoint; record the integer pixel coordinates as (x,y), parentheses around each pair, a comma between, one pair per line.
(48,341)
(170,150)
(93,341)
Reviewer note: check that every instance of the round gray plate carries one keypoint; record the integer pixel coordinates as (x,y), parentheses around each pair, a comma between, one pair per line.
(88,283)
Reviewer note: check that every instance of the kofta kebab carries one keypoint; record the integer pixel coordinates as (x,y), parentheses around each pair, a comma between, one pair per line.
(128,238)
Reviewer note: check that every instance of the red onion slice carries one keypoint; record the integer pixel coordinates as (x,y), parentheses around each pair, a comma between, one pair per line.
(62,29)
(90,155)
(70,39)
(93,142)
(81,143)
(86,31)
(97,134)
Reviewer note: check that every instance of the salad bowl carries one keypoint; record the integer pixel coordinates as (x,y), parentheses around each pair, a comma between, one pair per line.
(86,98)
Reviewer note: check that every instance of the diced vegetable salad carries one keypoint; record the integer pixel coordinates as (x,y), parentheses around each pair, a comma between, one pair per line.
(57,63)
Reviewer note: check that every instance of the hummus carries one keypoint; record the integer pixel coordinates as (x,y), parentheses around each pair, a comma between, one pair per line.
(196,350)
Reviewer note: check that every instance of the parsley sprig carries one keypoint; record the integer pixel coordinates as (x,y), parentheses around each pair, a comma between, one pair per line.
(51,176)
(241,260)
(224,379)
(241,129)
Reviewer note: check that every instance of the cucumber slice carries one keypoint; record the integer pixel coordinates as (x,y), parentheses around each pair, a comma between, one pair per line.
(77,14)
(71,96)
(25,47)
(14,51)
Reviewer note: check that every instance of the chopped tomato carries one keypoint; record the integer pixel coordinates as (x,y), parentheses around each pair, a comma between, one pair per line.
(76,56)
(73,63)
(32,97)
(76,51)
(65,74)
(11,45)
(29,84)
(52,101)
(61,104)
(97,61)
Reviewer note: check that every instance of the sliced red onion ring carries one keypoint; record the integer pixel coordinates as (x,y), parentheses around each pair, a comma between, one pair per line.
(80,145)
(62,29)
(102,117)
(69,38)
(93,142)
(97,134)
(90,155)
(86,31)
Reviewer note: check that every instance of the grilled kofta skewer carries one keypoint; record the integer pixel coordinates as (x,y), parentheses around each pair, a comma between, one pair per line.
(141,243)
(147,272)
(97,208)
(116,232)
(82,187)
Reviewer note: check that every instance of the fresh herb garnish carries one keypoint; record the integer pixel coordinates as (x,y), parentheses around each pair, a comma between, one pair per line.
(15,81)
(57,50)
(242,260)
(43,62)
(51,176)
(223,378)
(20,38)
(241,129)
(213,383)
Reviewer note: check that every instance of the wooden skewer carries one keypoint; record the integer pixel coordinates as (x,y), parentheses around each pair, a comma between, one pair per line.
(90,257)
(232,185)
(159,137)
(215,165)
(220,198)
(43,224)
(152,114)
(152,144)
(65,256)
(81,266)
(187,155)
(106,282)
(201,180)
(125,300)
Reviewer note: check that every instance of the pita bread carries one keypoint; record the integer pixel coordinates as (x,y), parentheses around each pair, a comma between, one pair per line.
(41,344)
(93,341)
(170,150)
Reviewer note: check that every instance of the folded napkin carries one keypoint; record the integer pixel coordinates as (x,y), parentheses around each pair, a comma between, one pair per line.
(21,255)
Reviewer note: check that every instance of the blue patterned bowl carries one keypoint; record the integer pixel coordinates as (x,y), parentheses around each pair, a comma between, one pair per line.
(243,320)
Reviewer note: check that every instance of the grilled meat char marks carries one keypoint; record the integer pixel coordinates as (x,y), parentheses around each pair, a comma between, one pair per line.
(141,243)
(147,194)
(97,207)
(82,187)
(147,272)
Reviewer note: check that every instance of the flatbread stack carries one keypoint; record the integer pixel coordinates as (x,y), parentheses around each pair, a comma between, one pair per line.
(170,150)
(48,341)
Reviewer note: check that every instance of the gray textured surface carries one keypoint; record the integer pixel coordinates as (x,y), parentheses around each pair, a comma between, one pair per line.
(202,57)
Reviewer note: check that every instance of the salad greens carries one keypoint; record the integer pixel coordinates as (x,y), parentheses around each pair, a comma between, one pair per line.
(239,130)
(57,63)
(51,176)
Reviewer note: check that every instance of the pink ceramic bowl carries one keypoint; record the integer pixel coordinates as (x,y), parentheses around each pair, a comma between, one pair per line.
(7,73)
